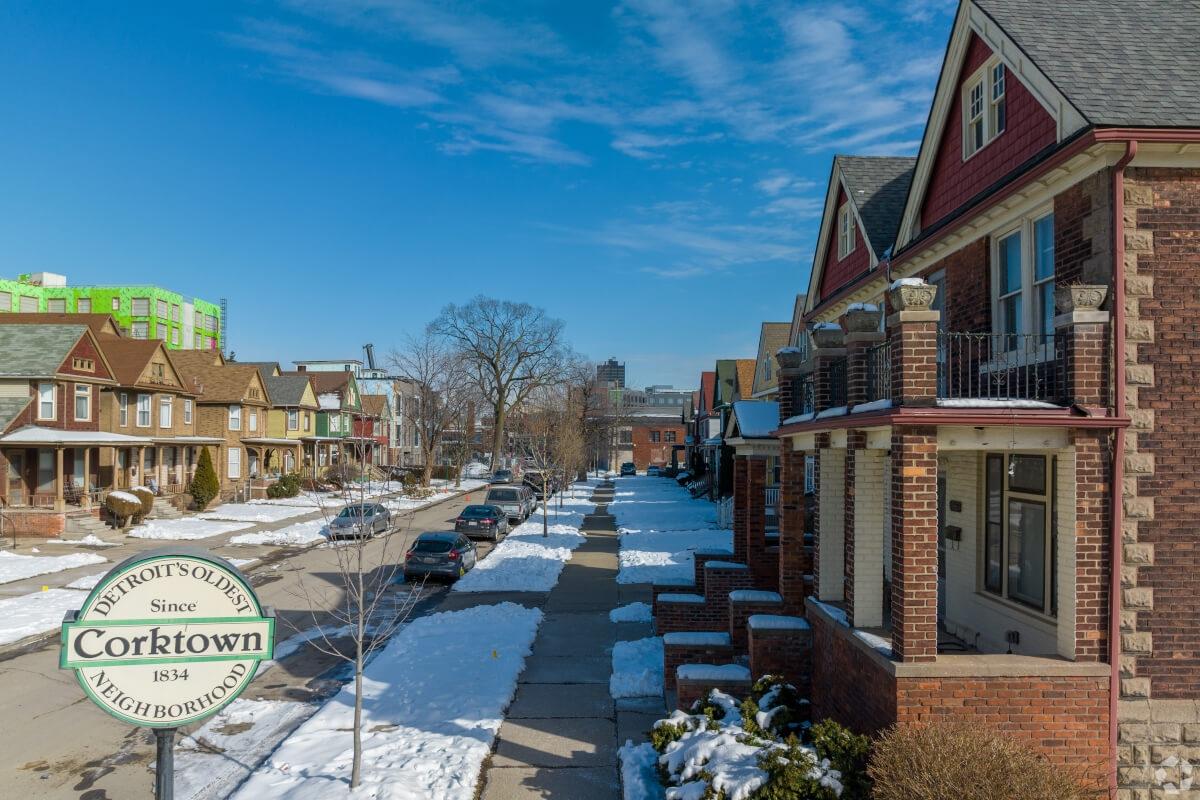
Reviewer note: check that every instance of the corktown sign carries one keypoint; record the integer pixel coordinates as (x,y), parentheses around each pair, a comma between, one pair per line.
(167,638)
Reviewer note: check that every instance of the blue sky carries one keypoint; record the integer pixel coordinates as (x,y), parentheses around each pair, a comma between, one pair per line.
(650,171)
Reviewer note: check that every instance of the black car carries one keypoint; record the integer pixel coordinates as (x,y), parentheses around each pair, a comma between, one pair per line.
(489,522)
(628,468)
(440,555)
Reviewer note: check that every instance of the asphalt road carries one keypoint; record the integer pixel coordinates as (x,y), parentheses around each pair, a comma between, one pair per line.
(57,744)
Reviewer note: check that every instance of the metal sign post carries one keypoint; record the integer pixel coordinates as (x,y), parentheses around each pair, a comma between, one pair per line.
(167,638)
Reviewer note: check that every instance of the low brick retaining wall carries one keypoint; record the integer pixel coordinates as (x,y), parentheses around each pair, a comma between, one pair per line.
(693,681)
(693,647)
(745,603)
(782,645)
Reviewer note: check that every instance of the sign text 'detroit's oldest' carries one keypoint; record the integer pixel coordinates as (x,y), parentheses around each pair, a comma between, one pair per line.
(168,637)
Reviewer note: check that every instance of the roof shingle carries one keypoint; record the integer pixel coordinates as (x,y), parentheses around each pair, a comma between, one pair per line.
(878,185)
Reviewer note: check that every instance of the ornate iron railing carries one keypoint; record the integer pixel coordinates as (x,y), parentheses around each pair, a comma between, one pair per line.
(879,372)
(1002,367)
(805,398)
(837,382)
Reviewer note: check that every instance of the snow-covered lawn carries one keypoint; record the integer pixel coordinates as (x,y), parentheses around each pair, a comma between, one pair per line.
(254,512)
(186,528)
(661,526)
(632,612)
(87,582)
(525,561)
(15,567)
(36,612)
(637,668)
(91,540)
(294,535)
(434,699)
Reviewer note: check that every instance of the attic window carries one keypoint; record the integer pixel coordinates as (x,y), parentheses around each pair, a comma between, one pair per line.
(846,231)
(83,364)
(985,106)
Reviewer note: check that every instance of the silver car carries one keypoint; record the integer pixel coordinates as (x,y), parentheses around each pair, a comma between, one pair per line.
(361,520)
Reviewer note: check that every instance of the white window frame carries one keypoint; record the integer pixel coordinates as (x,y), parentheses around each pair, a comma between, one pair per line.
(56,305)
(252,421)
(187,411)
(50,397)
(1047,500)
(83,305)
(86,396)
(144,403)
(235,418)
(847,230)
(293,419)
(166,411)
(1031,286)
(123,409)
(233,463)
(984,106)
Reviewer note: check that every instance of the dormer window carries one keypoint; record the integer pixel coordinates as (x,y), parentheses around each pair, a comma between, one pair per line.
(985,108)
(846,231)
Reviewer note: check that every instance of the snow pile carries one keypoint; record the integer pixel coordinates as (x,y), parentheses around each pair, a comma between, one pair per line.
(15,567)
(633,612)
(87,582)
(294,535)
(877,643)
(639,776)
(128,497)
(91,540)
(666,556)
(186,529)
(37,612)
(637,668)
(254,512)
(434,699)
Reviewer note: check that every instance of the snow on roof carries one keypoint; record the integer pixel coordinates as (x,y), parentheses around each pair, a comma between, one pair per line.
(971,402)
(874,405)
(806,417)
(832,412)
(756,418)
(33,434)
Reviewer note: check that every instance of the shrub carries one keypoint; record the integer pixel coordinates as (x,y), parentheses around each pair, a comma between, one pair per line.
(123,506)
(848,753)
(287,486)
(774,708)
(146,498)
(204,486)
(792,776)
(967,761)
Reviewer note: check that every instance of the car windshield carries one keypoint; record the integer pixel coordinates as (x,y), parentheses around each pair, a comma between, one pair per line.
(478,512)
(432,546)
(504,496)
(503,473)
(354,511)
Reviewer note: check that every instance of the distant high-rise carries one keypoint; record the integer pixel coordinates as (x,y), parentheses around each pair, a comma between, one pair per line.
(611,371)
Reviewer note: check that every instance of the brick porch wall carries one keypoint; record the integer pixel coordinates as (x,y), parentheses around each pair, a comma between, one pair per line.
(794,562)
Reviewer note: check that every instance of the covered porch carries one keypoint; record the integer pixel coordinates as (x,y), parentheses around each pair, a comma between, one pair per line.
(51,469)
(272,457)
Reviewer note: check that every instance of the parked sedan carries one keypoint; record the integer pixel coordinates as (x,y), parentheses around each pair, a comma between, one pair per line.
(628,468)
(502,476)
(440,555)
(361,520)
(653,471)
(490,522)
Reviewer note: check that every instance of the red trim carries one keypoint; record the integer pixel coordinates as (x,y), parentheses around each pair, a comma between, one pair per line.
(1072,148)
(1037,418)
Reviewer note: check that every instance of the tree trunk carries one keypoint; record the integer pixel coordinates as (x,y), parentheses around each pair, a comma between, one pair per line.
(498,412)
(356,769)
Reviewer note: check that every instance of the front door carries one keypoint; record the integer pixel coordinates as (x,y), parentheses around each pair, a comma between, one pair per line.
(45,471)
(941,548)
(16,478)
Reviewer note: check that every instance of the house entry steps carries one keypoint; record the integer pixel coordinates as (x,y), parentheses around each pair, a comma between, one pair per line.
(560,735)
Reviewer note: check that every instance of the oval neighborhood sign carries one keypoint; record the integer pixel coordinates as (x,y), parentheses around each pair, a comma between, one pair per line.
(168,637)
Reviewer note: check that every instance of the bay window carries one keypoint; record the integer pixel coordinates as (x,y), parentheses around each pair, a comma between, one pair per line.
(293,419)
(1019,545)
(46,400)
(253,420)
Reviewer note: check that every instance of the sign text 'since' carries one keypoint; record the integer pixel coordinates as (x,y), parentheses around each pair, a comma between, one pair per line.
(93,644)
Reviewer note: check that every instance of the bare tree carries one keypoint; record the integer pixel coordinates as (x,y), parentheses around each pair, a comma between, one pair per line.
(552,441)
(512,348)
(443,383)
(357,605)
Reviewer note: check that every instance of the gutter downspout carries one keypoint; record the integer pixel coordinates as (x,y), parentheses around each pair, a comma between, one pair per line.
(1118,466)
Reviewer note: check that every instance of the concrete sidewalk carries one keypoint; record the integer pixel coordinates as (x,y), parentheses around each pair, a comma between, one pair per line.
(559,739)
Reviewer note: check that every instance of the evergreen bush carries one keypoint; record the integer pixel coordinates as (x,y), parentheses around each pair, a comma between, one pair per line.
(205,485)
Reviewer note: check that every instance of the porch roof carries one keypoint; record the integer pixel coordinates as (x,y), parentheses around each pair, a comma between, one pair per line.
(270,440)
(187,440)
(34,435)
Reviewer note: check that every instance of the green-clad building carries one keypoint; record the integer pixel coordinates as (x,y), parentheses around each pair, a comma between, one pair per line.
(142,311)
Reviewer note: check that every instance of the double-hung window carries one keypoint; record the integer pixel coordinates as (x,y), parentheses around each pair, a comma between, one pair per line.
(235,418)
(293,419)
(253,420)
(123,409)
(83,402)
(46,400)
(847,233)
(1024,278)
(166,408)
(143,411)
(984,106)
(1019,543)
(187,411)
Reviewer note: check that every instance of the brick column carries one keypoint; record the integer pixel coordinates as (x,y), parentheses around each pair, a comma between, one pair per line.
(862,326)
(794,561)
(914,543)
(756,517)
(913,333)
(1093,493)
(741,508)
(830,346)
(1082,333)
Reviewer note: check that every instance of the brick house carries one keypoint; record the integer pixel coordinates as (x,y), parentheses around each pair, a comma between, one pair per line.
(373,429)
(657,438)
(993,386)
